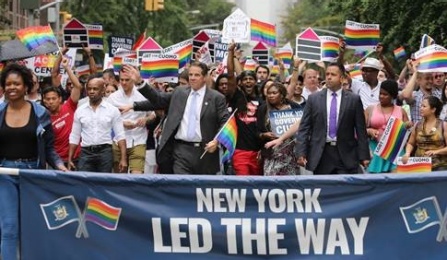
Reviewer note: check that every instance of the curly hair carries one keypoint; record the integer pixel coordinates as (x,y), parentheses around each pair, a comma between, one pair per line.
(20,70)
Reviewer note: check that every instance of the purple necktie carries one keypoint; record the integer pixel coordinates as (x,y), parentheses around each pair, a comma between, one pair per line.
(333,116)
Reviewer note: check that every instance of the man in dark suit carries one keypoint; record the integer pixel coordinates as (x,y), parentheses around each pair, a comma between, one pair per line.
(196,113)
(332,135)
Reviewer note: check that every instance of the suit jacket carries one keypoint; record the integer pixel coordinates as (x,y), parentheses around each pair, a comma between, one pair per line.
(213,116)
(352,141)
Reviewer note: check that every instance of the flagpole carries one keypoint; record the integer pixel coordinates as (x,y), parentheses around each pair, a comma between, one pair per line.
(57,42)
(366,55)
(232,115)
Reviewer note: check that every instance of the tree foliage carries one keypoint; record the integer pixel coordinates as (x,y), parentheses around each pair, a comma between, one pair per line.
(401,22)
(129,18)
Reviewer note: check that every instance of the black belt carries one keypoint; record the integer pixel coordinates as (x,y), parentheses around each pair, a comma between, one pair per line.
(194,144)
(20,159)
(332,143)
(95,148)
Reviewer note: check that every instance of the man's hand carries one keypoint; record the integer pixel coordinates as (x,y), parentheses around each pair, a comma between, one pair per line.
(379,50)
(365,163)
(273,144)
(65,63)
(133,73)
(302,161)
(125,108)
(122,167)
(211,147)
(71,165)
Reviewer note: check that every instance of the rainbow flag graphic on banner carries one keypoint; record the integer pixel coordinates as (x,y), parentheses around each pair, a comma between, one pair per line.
(285,53)
(414,165)
(95,36)
(102,214)
(120,54)
(432,59)
(34,36)
(83,70)
(393,140)
(227,136)
(426,41)
(399,53)
(329,48)
(184,51)
(163,67)
(361,36)
(263,32)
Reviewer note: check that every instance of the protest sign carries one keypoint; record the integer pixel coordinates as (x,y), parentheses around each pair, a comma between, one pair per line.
(308,46)
(282,120)
(75,34)
(117,42)
(236,27)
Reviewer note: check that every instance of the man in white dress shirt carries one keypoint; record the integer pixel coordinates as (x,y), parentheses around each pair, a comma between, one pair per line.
(94,122)
(134,121)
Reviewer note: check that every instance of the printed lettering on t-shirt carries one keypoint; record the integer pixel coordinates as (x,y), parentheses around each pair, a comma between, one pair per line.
(250,116)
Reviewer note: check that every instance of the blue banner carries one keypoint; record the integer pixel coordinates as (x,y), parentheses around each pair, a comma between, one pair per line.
(113,216)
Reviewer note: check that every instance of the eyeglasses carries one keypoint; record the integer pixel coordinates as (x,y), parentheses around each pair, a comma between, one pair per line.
(369,70)
(439,76)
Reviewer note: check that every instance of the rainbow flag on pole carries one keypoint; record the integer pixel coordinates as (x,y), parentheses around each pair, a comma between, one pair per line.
(399,53)
(329,48)
(356,73)
(102,214)
(361,35)
(432,59)
(263,32)
(163,67)
(227,136)
(414,165)
(393,140)
(34,36)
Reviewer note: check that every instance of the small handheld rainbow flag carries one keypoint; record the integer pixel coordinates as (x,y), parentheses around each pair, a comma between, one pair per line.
(356,73)
(163,67)
(34,36)
(102,214)
(432,59)
(426,41)
(227,136)
(399,53)
(414,165)
(361,36)
(329,48)
(393,140)
(263,32)
(120,54)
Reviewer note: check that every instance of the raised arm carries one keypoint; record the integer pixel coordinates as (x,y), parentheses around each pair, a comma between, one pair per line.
(77,86)
(232,82)
(407,92)
(55,79)
(91,59)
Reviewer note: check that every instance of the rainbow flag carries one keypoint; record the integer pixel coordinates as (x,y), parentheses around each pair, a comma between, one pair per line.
(329,48)
(250,64)
(34,36)
(432,59)
(227,136)
(95,36)
(184,51)
(120,54)
(102,214)
(83,70)
(393,140)
(263,32)
(163,67)
(399,53)
(426,41)
(274,69)
(361,36)
(286,54)
(356,73)
(414,165)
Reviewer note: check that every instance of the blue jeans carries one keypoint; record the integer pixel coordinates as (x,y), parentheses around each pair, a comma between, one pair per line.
(9,208)
(96,160)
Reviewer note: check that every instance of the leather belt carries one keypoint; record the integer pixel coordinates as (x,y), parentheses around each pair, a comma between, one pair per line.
(96,148)
(194,144)
(332,143)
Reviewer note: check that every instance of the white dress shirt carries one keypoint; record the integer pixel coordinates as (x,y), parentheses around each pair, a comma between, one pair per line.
(137,135)
(95,126)
(328,107)
(182,130)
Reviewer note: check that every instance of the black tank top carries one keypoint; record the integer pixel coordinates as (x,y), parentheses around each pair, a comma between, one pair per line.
(19,142)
